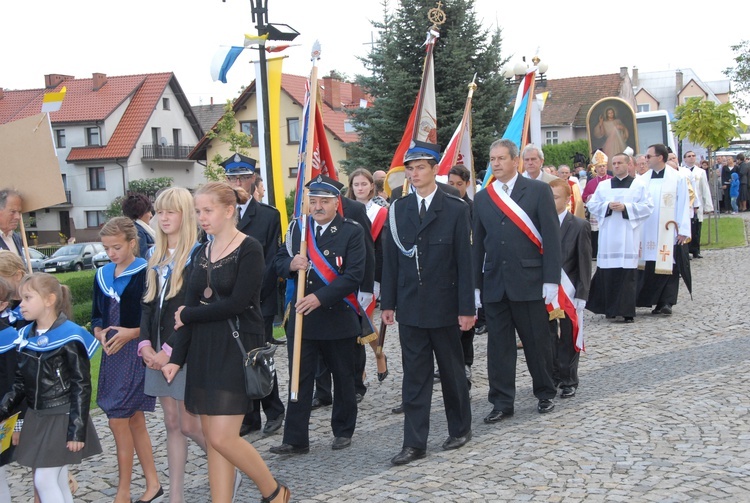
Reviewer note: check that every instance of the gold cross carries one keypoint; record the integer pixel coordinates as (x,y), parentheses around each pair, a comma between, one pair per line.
(664,253)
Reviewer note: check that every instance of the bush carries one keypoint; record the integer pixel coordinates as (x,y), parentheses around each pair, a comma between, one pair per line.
(80,284)
(564,153)
(82,314)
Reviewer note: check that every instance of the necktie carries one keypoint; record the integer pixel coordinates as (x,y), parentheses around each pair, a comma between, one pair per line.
(422,210)
(318,232)
(505,188)
(239,212)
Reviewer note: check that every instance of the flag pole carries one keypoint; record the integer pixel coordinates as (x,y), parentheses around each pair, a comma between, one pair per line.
(302,274)
(527,118)
(466,117)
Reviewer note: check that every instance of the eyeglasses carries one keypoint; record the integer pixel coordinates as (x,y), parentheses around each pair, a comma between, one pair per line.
(649,156)
(238,178)
(690,155)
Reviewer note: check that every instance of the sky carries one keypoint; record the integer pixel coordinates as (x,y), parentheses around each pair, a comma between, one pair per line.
(575,38)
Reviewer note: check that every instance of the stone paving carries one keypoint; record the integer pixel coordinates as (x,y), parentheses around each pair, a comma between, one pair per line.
(661,415)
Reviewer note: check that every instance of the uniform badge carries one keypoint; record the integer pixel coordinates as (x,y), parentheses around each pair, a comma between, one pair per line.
(326,252)
(42,341)
(333,230)
(339,261)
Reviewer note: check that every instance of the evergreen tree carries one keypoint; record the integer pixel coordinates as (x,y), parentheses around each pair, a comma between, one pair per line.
(463,49)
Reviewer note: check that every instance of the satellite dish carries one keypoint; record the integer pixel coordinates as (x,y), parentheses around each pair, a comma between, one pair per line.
(163,141)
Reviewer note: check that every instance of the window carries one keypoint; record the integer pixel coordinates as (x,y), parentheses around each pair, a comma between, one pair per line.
(646,107)
(250,128)
(96,179)
(292,130)
(165,103)
(92,136)
(293,172)
(349,127)
(60,138)
(95,218)
(551,138)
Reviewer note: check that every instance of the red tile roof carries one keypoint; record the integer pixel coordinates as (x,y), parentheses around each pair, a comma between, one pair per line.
(570,99)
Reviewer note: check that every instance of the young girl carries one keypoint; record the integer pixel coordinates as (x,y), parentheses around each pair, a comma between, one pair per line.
(734,192)
(116,318)
(53,376)
(169,266)
(362,189)
(224,284)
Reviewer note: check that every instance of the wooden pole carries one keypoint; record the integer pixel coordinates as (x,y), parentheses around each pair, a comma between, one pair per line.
(25,247)
(527,121)
(302,275)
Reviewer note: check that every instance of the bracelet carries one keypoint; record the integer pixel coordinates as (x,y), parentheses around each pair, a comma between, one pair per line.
(19,425)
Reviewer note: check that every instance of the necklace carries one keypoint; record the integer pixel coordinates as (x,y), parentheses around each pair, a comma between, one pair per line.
(207,293)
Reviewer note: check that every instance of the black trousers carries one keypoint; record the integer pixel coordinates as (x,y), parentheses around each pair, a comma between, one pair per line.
(467,345)
(337,355)
(594,244)
(564,355)
(418,345)
(272,404)
(694,246)
(323,375)
(531,320)
(657,289)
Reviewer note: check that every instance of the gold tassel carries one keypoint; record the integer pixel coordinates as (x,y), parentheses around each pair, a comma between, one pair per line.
(367,338)
(556,314)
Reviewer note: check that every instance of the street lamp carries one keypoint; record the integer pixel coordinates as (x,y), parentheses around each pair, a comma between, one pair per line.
(521,67)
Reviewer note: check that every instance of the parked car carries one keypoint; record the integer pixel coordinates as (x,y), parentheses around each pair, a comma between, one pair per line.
(75,257)
(101,259)
(37,259)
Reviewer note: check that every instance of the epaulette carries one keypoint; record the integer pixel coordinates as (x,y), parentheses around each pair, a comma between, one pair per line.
(350,221)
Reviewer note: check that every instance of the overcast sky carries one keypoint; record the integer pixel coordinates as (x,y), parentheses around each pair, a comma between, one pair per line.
(583,37)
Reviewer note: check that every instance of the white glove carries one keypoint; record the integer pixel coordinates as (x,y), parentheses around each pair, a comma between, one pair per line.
(579,304)
(365,299)
(549,292)
(477,300)
(376,290)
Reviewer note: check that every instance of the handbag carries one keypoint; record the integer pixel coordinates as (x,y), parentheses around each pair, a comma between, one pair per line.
(258,365)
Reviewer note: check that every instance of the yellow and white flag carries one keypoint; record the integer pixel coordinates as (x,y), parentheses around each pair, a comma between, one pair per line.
(53,101)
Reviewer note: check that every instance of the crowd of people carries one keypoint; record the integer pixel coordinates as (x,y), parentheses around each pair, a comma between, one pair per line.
(189,273)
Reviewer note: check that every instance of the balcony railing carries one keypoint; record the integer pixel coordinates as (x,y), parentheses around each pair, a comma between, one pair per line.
(68,200)
(167,152)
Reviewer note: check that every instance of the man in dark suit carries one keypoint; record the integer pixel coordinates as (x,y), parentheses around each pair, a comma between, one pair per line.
(263,223)
(575,236)
(427,280)
(336,257)
(10,216)
(514,218)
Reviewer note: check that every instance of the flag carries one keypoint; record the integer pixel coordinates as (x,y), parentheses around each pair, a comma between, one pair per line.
(52,102)
(223,60)
(251,40)
(458,151)
(6,431)
(301,152)
(279,48)
(517,129)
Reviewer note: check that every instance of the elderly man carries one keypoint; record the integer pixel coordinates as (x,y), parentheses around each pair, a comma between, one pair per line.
(533,158)
(641,164)
(10,216)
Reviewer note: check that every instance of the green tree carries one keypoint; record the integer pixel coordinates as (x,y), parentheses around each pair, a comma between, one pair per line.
(564,153)
(740,75)
(226,131)
(463,49)
(148,187)
(706,123)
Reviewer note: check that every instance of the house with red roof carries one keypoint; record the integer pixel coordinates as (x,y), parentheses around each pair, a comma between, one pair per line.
(109,131)
(337,96)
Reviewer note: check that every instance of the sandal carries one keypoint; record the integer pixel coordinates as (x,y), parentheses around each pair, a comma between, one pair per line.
(383,375)
(280,489)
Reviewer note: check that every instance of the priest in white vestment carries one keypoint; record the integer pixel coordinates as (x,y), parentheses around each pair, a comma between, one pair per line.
(621,205)
(664,231)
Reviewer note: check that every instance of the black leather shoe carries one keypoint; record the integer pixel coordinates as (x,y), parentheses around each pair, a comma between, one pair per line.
(697,255)
(480,329)
(245,429)
(341,443)
(497,416)
(456,442)
(628,319)
(273,425)
(280,341)
(545,406)
(567,392)
(657,309)
(157,497)
(407,455)
(359,397)
(290,449)
(399,409)
(667,309)
(318,403)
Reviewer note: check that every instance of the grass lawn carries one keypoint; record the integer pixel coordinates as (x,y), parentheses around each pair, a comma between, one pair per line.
(95,361)
(731,233)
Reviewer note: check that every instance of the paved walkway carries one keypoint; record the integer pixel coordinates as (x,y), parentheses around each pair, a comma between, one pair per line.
(661,415)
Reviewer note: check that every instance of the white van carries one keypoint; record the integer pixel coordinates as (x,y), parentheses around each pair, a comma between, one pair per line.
(654,127)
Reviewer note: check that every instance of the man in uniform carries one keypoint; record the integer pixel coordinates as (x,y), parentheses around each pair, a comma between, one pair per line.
(620,205)
(666,229)
(427,282)
(263,223)
(517,261)
(336,266)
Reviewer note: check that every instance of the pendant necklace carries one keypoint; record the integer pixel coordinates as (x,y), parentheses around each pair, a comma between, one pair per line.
(207,293)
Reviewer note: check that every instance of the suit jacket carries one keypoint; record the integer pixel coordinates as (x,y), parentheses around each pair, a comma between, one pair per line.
(334,319)
(16,239)
(546,177)
(703,200)
(157,321)
(575,238)
(356,211)
(444,288)
(398,191)
(263,222)
(512,264)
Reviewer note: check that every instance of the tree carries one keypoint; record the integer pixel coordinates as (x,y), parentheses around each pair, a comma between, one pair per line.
(565,152)
(395,63)
(705,123)
(740,75)
(227,132)
(148,187)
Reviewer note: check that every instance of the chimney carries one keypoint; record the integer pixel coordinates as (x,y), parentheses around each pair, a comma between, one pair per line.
(635,77)
(212,101)
(1,93)
(623,72)
(53,80)
(357,94)
(99,80)
(678,80)
(332,92)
